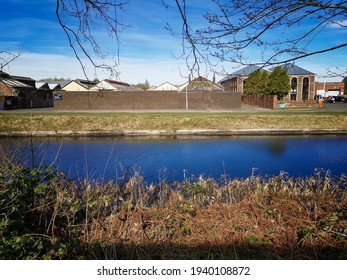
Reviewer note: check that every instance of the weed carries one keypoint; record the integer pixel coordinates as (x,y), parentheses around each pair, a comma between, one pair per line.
(45,215)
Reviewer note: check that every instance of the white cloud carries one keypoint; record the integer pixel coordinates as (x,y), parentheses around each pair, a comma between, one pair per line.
(40,66)
(132,70)
(339,24)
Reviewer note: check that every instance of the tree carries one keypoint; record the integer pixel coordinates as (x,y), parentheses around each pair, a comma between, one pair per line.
(144,85)
(279,82)
(257,83)
(78,18)
(88,14)
(235,26)
(231,28)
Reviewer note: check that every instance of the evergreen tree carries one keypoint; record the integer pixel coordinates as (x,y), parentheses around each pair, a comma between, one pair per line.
(257,83)
(264,82)
(279,83)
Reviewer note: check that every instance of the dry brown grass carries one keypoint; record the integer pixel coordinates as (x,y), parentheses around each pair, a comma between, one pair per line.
(273,218)
(46,215)
(170,121)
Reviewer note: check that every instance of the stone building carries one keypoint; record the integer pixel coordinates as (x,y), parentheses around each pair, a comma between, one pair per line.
(302,81)
(235,81)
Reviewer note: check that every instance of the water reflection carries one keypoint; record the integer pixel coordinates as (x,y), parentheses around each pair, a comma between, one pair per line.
(173,159)
(277,147)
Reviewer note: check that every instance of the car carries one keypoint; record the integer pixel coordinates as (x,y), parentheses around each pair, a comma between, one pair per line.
(337,99)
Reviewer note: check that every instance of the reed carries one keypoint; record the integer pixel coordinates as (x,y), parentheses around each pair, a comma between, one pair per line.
(46,215)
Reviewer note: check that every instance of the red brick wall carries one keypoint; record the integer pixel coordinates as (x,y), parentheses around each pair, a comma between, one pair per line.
(5,89)
(162,100)
(271,102)
(330,85)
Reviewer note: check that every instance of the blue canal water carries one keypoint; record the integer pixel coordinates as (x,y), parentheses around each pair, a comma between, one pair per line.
(173,159)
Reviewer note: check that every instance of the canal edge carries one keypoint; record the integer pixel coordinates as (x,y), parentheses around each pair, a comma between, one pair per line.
(181,132)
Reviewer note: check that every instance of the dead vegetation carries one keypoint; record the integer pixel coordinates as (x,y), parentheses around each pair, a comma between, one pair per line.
(266,218)
(45,215)
(169,121)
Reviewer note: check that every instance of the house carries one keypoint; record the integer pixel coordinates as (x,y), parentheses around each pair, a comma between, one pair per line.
(201,84)
(79,85)
(326,89)
(18,92)
(112,85)
(164,87)
(235,81)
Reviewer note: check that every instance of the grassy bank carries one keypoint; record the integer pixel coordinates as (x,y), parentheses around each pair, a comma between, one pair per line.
(170,121)
(45,215)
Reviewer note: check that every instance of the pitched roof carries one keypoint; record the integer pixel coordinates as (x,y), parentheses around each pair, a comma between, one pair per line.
(85,83)
(3,74)
(165,85)
(117,83)
(292,69)
(54,84)
(108,84)
(246,71)
(14,83)
(201,83)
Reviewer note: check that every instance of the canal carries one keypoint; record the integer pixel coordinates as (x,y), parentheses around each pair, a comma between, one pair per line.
(176,158)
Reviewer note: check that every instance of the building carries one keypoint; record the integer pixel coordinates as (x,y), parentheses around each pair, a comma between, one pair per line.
(112,85)
(52,85)
(302,83)
(79,85)
(164,87)
(326,89)
(235,81)
(201,84)
(18,92)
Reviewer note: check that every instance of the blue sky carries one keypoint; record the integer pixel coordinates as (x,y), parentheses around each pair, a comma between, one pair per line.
(147,50)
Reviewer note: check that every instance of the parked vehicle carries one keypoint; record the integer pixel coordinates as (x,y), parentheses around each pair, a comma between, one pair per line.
(337,99)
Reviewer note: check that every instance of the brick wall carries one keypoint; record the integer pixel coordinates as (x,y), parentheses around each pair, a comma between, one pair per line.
(331,86)
(271,102)
(136,100)
(264,101)
(5,90)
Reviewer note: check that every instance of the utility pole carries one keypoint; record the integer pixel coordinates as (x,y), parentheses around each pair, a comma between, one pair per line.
(187,93)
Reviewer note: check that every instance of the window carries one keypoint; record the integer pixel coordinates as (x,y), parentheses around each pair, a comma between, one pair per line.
(294,88)
(305,88)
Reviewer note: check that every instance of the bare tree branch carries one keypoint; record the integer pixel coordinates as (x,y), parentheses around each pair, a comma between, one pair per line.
(88,14)
(280,30)
(7,57)
(190,43)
